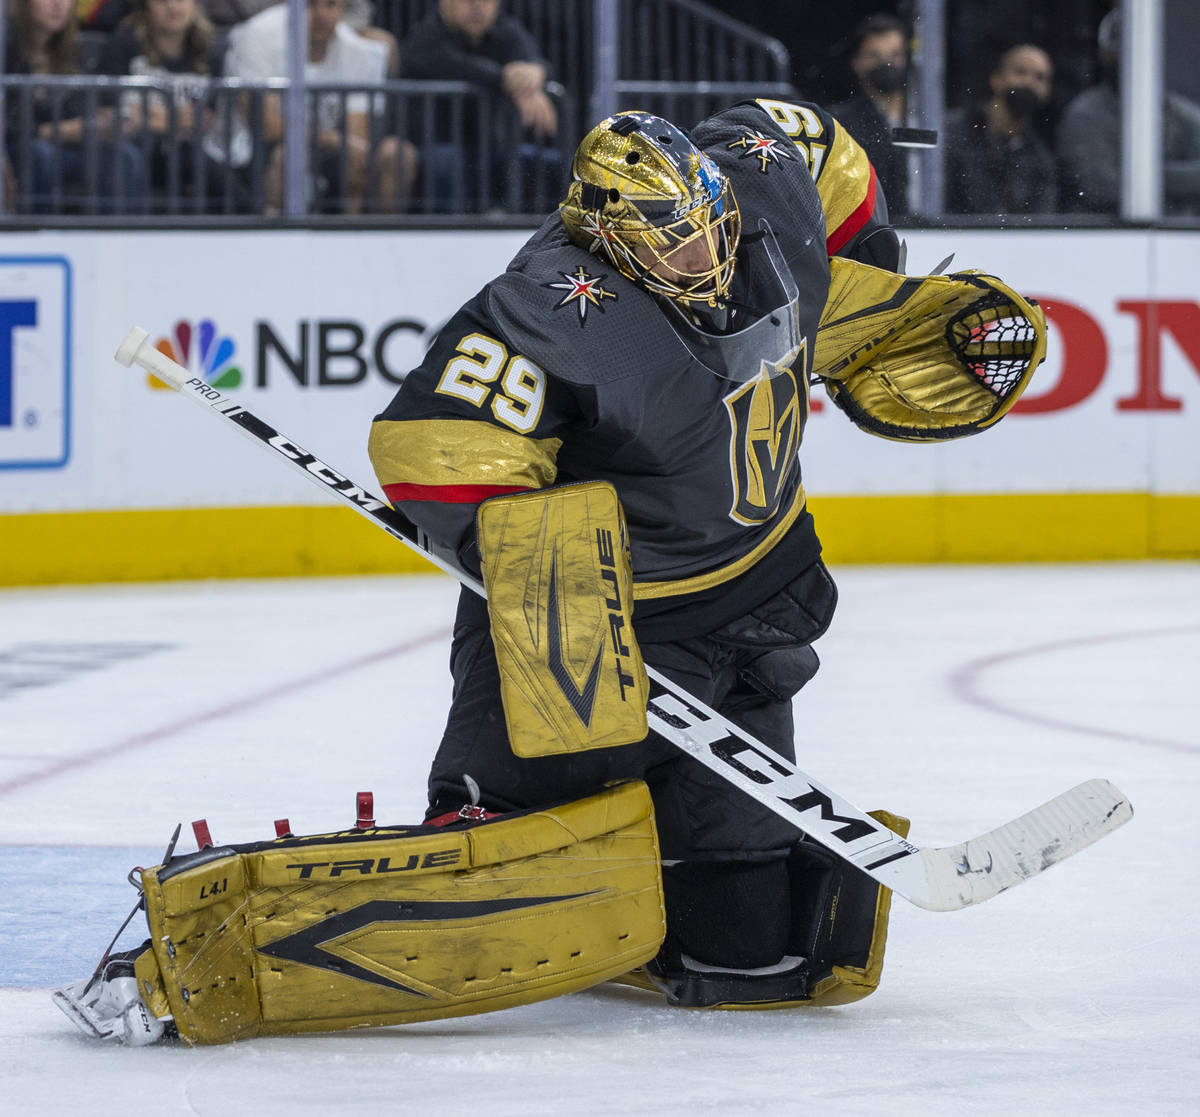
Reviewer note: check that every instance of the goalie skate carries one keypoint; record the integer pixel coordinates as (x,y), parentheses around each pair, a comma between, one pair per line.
(107,1006)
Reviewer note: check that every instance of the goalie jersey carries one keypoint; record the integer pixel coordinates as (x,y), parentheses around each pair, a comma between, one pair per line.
(561,370)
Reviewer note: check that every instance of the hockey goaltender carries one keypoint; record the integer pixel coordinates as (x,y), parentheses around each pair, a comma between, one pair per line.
(608,434)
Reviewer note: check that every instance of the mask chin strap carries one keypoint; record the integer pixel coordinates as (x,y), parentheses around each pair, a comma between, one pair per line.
(712,319)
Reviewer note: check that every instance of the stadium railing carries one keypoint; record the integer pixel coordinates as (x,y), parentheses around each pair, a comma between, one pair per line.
(686,103)
(657,40)
(230,182)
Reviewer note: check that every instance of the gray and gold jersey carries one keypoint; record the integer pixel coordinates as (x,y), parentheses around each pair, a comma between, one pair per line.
(562,370)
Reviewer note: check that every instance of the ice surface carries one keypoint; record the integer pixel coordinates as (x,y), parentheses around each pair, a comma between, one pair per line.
(960,696)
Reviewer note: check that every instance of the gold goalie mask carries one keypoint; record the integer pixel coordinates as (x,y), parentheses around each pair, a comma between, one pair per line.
(645,198)
(649,201)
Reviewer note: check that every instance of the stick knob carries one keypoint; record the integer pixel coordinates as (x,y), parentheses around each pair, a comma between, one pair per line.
(127,351)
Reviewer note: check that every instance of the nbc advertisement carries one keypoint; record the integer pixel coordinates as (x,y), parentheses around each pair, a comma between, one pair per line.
(311,331)
(314,331)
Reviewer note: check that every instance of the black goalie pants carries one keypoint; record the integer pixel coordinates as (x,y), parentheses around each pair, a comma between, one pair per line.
(730,851)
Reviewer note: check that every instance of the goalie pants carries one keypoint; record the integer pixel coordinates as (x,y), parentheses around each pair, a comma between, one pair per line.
(748,671)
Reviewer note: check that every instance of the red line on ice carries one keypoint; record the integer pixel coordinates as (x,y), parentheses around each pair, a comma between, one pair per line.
(965,684)
(152,736)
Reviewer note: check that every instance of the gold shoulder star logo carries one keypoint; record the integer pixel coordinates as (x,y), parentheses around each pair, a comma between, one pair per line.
(583,290)
(766,149)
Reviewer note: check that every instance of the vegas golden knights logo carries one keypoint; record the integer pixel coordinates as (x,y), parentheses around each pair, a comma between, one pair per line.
(766,420)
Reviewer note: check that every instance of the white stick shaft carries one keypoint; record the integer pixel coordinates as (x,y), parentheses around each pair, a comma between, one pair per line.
(936,879)
(135,349)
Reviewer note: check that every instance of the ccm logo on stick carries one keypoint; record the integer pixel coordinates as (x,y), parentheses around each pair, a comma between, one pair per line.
(322,472)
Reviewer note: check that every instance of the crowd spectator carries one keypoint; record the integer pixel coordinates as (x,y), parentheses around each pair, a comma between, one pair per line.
(353,169)
(1089,141)
(102,15)
(880,65)
(357,14)
(174,41)
(360,16)
(53,165)
(996,162)
(227,14)
(471,41)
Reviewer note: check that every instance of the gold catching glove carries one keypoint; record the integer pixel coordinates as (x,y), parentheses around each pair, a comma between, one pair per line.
(925,358)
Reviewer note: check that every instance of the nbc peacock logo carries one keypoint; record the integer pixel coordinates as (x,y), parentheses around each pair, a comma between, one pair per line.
(202,351)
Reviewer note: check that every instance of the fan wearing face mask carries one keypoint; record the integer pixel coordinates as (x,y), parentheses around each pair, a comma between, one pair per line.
(880,65)
(1089,139)
(996,162)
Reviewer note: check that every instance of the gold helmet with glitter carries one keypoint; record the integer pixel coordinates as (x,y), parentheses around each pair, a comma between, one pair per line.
(641,192)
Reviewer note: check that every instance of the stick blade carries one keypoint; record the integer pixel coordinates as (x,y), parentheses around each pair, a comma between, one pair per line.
(983,867)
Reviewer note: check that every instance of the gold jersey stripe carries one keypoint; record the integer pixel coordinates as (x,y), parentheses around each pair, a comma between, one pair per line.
(645,590)
(460,452)
(844,181)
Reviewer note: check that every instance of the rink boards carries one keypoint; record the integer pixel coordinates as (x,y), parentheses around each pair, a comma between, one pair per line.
(104,476)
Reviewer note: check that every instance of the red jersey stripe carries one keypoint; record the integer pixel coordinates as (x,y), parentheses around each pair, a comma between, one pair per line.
(838,239)
(448,494)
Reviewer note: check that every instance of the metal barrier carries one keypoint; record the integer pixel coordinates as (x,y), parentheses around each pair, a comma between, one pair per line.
(684,41)
(687,103)
(191,148)
(162,147)
(657,40)
(678,40)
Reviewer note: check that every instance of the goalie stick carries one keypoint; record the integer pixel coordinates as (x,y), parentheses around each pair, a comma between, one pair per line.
(938,879)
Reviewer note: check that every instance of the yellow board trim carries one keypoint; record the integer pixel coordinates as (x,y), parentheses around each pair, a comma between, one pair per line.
(1017,527)
(153,544)
(139,545)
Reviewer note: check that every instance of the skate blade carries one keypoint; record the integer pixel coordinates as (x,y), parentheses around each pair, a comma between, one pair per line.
(80,1015)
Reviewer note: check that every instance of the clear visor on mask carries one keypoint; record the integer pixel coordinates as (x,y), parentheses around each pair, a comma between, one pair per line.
(771,341)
